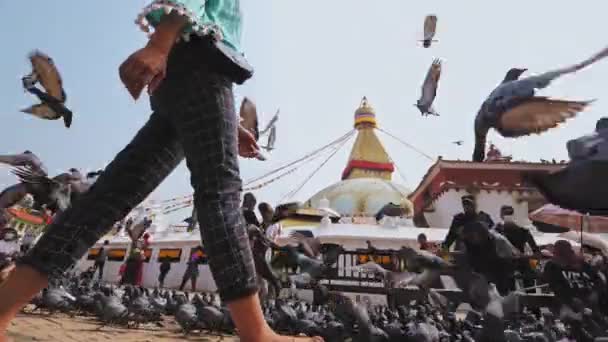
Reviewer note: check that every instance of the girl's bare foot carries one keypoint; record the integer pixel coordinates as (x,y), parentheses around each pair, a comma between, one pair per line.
(279,338)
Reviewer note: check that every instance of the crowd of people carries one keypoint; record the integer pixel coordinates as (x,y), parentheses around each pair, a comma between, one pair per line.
(506,253)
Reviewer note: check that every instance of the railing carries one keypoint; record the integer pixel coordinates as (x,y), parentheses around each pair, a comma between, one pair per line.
(342,277)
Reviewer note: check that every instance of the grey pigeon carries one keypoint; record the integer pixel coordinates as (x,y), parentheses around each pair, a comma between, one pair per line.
(271,123)
(429,89)
(52,106)
(110,309)
(430,27)
(513,110)
(186,317)
(580,185)
(272,138)
(249,121)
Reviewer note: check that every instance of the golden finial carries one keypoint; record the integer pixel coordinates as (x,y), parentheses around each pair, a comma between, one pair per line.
(365,114)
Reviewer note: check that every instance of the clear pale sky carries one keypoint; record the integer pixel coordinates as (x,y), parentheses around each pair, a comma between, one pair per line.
(315,60)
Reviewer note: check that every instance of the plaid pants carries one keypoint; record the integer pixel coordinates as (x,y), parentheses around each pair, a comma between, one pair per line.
(193,117)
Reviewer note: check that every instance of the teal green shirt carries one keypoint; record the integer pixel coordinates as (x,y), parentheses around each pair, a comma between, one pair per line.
(221,18)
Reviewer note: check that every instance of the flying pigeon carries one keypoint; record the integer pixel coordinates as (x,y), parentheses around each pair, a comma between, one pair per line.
(429,89)
(578,186)
(249,117)
(430,25)
(272,138)
(514,110)
(249,120)
(271,123)
(271,129)
(52,106)
(44,189)
(458,142)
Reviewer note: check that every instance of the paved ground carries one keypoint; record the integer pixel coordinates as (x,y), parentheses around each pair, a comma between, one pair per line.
(41,327)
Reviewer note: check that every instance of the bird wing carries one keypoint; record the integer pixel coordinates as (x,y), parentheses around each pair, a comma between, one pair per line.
(42,111)
(543,80)
(249,117)
(430,25)
(431,82)
(39,181)
(537,115)
(29,160)
(272,138)
(271,123)
(47,74)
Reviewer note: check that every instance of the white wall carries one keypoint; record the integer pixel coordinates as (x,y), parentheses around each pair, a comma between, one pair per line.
(151,271)
(449,204)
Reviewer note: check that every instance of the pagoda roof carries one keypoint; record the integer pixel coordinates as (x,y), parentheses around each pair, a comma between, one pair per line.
(459,174)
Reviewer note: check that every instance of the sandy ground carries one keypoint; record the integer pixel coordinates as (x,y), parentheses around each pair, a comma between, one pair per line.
(42,327)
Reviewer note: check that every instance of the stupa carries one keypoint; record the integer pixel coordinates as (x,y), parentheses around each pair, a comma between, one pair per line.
(366,185)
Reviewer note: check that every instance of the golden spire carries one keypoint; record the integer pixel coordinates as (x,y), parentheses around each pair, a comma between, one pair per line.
(368,158)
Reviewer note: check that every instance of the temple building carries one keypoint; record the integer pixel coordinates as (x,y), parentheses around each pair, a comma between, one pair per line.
(494,183)
(366,184)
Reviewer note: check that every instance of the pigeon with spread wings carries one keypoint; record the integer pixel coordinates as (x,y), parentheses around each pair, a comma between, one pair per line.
(271,123)
(52,106)
(272,138)
(513,110)
(249,121)
(52,192)
(271,129)
(430,26)
(429,89)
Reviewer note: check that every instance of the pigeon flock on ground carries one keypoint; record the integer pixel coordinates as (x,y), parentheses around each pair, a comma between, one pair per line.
(333,316)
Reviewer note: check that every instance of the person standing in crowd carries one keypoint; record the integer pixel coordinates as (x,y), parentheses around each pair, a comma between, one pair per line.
(483,256)
(519,238)
(276,228)
(422,242)
(143,245)
(572,279)
(267,214)
(517,235)
(28,240)
(470,214)
(189,65)
(191,272)
(165,267)
(100,260)
(249,203)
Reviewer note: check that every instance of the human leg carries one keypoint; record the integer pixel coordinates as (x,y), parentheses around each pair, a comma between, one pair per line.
(207,126)
(135,172)
(193,283)
(101,265)
(184,280)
